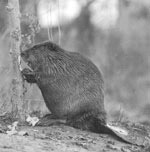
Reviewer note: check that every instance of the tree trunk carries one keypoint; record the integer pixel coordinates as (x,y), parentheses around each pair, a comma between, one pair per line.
(17,82)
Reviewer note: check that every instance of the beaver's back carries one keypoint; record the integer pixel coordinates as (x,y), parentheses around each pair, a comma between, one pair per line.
(76,88)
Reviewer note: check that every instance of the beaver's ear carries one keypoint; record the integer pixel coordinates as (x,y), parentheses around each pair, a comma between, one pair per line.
(52,47)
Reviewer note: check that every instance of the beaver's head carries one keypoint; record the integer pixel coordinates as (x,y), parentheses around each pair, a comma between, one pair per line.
(43,57)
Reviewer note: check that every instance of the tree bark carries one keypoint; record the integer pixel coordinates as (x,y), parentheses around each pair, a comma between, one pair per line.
(17,82)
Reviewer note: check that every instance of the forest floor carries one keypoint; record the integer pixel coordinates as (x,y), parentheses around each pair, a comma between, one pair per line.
(62,138)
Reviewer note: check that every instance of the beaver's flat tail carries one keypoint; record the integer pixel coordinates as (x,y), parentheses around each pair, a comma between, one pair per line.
(116,132)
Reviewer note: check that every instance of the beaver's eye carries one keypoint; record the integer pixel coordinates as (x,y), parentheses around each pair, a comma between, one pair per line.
(24,55)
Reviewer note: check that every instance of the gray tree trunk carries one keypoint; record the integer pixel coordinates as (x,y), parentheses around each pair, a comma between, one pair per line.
(17,83)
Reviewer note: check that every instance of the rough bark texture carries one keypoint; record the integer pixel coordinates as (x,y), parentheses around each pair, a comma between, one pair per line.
(15,33)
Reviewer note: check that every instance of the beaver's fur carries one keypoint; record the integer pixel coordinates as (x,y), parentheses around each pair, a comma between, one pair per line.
(71,85)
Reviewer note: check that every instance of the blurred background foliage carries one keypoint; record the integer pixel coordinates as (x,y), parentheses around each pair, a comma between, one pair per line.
(114,34)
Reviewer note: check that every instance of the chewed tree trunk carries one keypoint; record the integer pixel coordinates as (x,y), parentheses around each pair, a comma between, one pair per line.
(15,39)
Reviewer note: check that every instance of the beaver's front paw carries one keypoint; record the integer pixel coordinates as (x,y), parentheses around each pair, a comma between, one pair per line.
(28,75)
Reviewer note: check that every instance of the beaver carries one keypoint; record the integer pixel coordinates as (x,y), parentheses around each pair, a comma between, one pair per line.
(71,85)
